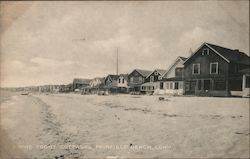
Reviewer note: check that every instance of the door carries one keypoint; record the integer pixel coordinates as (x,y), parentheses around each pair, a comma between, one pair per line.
(190,87)
(207,84)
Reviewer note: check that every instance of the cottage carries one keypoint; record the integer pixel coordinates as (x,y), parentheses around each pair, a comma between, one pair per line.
(174,77)
(81,85)
(136,78)
(110,84)
(97,85)
(122,83)
(154,83)
(96,81)
(246,82)
(214,71)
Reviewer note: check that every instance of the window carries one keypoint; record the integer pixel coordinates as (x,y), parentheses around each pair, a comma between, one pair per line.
(123,80)
(151,78)
(159,77)
(178,72)
(142,87)
(156,73)
(161,85)
(176,85)
(206,84)
(214,68)
(119,80)
(205,51)
(196,68)
(131,79)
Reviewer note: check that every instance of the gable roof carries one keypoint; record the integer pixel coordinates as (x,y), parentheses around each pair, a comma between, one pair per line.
(81,81)
(99,78)
(160,71)
(231,55)
(113,77)
(144,73)
(227,54)
(125,76)
(182,59)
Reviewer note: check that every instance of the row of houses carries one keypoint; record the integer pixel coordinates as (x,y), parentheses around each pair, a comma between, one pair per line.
(210,71)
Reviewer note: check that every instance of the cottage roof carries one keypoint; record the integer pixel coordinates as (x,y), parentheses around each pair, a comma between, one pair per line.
(148,84)
(125,76)
(144,73)
(182,60)
(99,78)
(113,77)
(174,79)
(161,71)
(81,81)
(227,54)
(231,55)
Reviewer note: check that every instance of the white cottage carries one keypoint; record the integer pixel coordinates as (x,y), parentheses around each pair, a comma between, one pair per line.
(174,77)
(122,83)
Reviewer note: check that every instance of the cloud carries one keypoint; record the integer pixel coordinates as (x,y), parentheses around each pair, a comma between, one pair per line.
(196,36)
(39,46)
(46,62)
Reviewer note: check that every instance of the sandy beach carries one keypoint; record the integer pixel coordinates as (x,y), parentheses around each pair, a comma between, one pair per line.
(124,126)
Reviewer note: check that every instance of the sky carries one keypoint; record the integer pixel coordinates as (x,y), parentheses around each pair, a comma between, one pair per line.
(54,42)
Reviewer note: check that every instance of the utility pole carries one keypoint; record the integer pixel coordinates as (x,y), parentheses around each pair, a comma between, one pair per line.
(117,62)
(117,68)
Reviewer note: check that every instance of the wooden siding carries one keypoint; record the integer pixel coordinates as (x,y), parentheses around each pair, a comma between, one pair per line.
(204,61)
(135,78)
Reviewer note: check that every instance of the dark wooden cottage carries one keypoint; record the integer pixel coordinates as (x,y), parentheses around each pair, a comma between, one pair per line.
(110,84)
(214,71)
(80,83)
(153,82)
(136,78)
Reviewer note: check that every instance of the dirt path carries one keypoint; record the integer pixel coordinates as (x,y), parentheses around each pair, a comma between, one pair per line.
(53,135)
(30,130)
